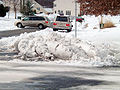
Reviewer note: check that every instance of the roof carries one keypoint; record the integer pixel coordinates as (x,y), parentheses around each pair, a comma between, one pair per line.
(50,10)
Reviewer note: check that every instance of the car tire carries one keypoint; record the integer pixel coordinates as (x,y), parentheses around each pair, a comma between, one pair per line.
(41,26)
(55,29)
(19,25)
(69,30)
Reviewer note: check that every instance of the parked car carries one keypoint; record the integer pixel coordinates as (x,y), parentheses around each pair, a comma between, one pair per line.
(33,21)
(62,23)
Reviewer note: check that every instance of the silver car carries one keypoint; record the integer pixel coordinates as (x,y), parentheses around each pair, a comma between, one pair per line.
(62,23)
(33,21)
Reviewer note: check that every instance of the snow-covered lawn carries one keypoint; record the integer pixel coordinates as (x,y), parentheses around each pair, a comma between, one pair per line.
(8,23)
(93,46)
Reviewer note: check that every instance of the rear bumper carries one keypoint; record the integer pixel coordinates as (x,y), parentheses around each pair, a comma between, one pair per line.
(62,28)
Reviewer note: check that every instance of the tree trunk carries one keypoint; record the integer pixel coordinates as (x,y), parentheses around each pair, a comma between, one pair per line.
(15,11)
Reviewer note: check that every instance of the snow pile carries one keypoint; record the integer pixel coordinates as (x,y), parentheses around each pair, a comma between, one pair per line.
(48,45)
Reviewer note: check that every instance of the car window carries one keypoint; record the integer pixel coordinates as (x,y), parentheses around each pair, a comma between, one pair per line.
(47,19)
(64,19)
(40,18)
(26,19)
(31,18)
(36,18)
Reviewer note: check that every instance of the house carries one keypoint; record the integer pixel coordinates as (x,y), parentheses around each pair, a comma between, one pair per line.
(49,10)
(37,7)
(20,3)
(65,7)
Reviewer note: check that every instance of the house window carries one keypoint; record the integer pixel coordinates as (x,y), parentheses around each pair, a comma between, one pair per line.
(38,9)
(68,12)
(61,13)
(58,11)
(54,5)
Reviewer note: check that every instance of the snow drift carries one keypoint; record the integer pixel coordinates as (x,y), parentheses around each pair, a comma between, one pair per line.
(48,45)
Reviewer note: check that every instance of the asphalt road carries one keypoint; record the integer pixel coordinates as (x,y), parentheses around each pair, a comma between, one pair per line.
(17,32)
(38,76)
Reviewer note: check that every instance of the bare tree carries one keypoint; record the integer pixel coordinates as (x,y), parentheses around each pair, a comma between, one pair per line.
(15,4)
(7,4)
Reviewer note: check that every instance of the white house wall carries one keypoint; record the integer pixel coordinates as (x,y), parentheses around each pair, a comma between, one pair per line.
(65,5)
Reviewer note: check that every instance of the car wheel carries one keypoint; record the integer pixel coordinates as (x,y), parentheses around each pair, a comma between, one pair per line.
(40,26)
(69,30)
(19,25)
(55,30)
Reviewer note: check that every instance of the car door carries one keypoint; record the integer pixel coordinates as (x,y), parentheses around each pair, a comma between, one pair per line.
(25,21)
(32,21)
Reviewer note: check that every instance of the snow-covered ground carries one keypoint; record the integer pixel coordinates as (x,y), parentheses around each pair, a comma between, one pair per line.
(7,22)
(92,47)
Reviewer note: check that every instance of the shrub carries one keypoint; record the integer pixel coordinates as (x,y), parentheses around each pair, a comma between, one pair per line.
(7,8)
(2,11)
(109,24)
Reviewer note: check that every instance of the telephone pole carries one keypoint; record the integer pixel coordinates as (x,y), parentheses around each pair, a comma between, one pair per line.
(75,18)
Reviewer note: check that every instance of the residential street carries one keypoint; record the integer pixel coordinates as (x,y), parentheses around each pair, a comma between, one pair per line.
(16,32)
(40,76)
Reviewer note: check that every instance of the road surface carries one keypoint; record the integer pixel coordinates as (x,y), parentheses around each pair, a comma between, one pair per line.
(17,32)
(40,76)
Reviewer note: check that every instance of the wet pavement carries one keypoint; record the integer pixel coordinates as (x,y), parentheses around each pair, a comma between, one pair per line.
(40,76)
(17,32)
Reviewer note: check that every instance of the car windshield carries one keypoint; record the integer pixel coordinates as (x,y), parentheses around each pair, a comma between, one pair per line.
(47,19)
(64,19)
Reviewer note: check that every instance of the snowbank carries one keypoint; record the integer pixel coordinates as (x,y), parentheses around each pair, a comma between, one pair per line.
(48,45)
